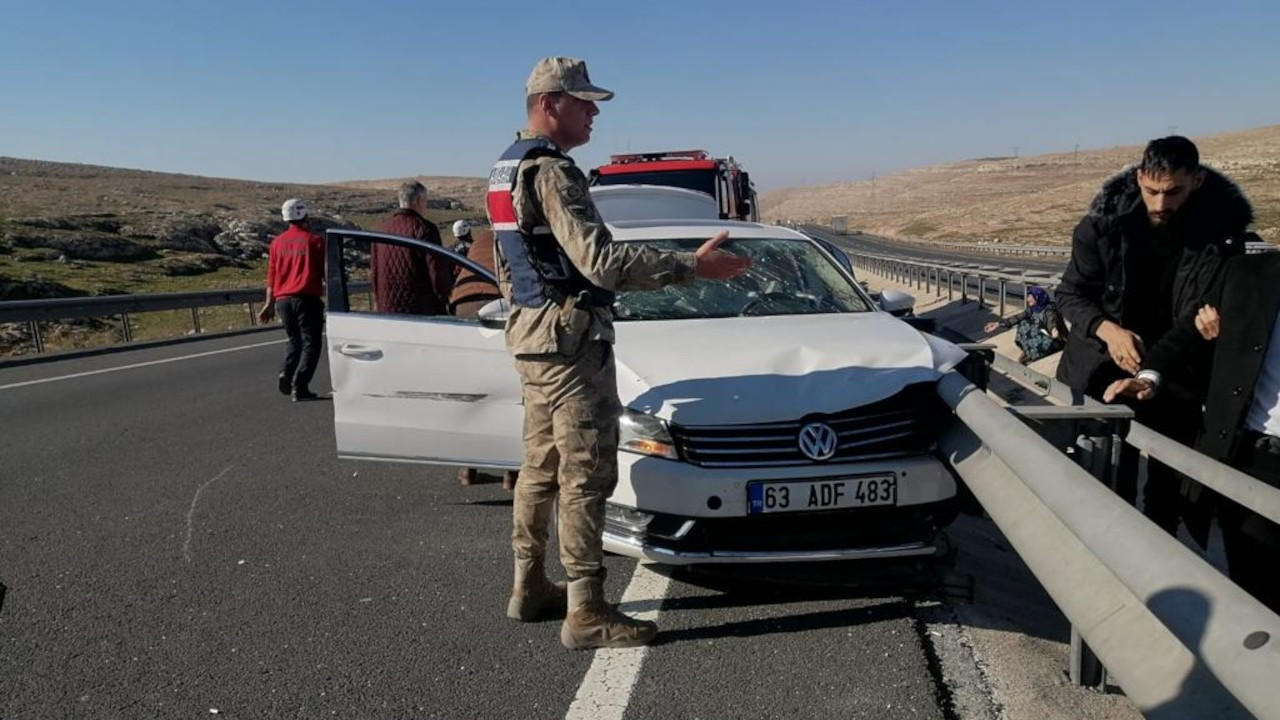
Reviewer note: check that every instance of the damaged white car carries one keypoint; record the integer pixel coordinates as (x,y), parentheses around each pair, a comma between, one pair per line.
(780,416)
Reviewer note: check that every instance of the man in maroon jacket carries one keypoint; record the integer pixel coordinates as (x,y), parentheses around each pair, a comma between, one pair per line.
(408,280)
(295,283)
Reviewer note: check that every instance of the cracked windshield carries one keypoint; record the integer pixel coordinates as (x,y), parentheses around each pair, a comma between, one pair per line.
(787,277)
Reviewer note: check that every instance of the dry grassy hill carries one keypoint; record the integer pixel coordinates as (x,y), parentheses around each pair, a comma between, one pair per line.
(73,230)
(84,229)
(1034,200)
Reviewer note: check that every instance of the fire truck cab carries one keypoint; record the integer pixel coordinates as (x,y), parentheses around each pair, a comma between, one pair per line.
(721,178)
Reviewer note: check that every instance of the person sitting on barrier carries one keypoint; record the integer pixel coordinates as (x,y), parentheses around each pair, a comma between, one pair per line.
(1143,255)
(1240,346)
(472,291)
(1040,329)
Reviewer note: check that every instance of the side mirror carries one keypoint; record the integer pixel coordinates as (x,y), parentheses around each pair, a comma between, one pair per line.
(494,314)
(897,303)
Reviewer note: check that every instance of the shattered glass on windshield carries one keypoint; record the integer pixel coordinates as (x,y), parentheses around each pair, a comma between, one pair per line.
(787,277)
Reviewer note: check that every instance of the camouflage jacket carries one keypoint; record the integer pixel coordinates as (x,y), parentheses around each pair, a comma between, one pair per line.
(554,192)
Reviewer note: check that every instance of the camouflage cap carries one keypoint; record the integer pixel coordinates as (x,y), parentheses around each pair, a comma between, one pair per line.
(564,74)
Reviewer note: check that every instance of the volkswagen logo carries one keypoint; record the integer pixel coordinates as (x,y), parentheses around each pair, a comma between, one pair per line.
(818,441)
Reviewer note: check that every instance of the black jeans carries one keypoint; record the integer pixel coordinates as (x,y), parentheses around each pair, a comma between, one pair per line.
(1177,417)
(303,319)
(1253,542)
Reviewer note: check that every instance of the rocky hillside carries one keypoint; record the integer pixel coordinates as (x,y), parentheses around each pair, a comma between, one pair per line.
(68,229)
(469,192)
(1034,200)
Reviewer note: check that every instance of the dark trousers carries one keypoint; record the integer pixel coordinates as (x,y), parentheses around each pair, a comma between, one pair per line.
(1177,417)
(1253,542)
(303,319)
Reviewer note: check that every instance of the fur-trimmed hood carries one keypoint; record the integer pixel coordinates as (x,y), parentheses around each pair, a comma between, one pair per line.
(1219,203)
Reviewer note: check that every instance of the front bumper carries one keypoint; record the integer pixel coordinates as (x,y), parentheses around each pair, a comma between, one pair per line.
(676,513)
(634,547)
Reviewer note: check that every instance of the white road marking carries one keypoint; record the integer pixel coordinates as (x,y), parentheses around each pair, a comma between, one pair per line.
(137,365)
(606,688)
(191,512)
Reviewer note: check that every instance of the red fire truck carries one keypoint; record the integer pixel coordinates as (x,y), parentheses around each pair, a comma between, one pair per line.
(721,178)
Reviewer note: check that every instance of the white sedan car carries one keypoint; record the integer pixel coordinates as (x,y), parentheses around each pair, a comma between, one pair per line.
(780,416)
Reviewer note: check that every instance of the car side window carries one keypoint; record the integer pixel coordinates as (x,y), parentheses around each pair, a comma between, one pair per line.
(406,279)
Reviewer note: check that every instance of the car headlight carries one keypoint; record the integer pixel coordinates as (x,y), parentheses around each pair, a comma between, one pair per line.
(645,435)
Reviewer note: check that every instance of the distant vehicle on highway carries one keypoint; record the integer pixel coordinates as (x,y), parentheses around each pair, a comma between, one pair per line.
(721,178)
(780,416)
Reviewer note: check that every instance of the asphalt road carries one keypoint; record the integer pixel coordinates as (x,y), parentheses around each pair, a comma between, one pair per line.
(179,541)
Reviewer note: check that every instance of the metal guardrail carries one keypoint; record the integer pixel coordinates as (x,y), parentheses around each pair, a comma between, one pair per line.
(1058,250)
(1181,639)
(34,312)
(929,275)
(1027,250)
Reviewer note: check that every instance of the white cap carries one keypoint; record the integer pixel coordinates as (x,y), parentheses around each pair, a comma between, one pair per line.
(461,228)
(293,210)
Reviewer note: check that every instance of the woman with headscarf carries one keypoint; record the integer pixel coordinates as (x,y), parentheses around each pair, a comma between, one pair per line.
(1040,329)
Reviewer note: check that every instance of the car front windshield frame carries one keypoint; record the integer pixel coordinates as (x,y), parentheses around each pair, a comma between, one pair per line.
(788,276)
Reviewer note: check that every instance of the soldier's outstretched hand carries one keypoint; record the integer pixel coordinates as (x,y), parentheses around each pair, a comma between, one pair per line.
(718,264)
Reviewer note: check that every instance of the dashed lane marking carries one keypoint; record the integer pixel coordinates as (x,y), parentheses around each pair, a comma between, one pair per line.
(606,688)
(101,371)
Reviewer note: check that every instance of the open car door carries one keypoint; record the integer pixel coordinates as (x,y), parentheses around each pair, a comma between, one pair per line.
(416,388)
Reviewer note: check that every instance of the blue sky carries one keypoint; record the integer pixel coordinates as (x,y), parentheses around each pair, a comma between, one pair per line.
(801,92)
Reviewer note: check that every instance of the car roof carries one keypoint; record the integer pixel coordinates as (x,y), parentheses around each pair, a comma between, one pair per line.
(625,230)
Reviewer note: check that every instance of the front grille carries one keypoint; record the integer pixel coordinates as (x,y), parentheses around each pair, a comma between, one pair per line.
(903,424)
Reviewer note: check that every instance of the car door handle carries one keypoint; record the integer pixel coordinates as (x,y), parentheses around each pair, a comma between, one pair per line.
(360,352)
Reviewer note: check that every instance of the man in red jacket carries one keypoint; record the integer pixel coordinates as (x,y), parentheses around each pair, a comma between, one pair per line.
(295,282)
(407,280)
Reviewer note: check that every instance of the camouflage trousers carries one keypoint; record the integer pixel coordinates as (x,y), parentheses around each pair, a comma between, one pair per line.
(571,412)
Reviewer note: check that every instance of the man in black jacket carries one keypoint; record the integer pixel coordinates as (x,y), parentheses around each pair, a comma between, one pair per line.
(1242,411)
(1145,254)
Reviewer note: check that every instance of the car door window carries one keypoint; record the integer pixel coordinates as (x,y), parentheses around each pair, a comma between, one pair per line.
(392,276)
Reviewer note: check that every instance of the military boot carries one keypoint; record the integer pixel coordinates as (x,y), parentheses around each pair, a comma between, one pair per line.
(593,623)
(532,594)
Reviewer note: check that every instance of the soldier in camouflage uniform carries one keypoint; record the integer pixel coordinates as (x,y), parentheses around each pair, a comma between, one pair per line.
(559,269)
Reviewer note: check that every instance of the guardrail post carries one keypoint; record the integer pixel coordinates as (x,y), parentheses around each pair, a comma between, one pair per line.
(253,316)
(1095,453)
(195,320)
(964,288)
(124,327)
(982,291)
(950,287)
(35,336)
(1003,289)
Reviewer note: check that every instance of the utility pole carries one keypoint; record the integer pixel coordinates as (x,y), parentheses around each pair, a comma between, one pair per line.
(1075,155)
(873,191)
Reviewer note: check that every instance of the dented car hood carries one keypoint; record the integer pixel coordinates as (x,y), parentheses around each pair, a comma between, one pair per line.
(729,371)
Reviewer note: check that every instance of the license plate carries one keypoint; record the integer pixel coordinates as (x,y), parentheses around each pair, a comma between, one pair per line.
(830,494)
